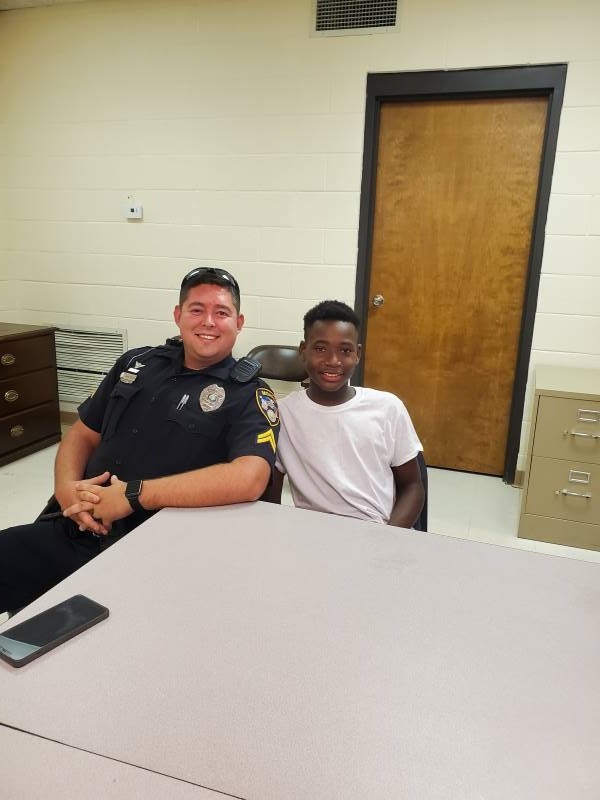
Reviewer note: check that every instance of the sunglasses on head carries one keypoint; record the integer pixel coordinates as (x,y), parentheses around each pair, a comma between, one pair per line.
(221,276)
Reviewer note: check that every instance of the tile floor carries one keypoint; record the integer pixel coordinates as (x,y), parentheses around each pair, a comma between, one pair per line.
(460,504)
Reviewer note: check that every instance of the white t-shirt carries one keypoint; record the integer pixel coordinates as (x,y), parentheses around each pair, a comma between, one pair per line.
(338,459)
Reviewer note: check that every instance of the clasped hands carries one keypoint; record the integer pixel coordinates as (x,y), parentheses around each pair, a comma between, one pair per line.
(94,506)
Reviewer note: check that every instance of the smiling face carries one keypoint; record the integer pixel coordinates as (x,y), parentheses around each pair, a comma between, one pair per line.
(330,353)
(209,325)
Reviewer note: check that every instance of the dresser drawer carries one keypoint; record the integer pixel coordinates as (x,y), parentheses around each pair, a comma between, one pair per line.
(567,490)
(18,356)
(22,429)
(24,391)
(568,429)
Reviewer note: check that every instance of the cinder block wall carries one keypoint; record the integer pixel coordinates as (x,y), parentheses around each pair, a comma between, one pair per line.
(241,135)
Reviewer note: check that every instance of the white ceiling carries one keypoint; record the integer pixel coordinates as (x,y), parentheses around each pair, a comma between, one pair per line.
(6,5)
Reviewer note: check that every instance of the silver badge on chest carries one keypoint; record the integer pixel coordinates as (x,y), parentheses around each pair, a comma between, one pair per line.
(127,377)
(212,397)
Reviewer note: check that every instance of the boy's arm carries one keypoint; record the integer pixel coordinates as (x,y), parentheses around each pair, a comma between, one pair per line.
(410,494)
(273,491)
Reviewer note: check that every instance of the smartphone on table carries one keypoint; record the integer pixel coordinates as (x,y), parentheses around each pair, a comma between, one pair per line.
(28,640)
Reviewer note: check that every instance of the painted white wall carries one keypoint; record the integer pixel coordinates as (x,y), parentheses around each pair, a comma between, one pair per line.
(242,137)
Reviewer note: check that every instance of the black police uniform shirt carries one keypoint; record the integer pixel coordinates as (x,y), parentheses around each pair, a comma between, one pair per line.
(158,418)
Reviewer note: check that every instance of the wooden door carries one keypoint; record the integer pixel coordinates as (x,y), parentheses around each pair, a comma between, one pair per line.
(455,195)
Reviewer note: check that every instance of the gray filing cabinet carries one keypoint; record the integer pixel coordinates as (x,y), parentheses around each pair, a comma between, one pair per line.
(561,493)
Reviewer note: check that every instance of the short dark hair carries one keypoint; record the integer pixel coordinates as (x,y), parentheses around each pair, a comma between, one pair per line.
(333,310)
(215,276)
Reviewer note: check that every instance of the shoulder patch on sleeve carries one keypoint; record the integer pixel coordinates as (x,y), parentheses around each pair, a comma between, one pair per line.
(267,404)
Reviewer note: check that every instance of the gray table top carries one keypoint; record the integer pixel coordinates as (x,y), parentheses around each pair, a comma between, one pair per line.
(271,652)
(38,769)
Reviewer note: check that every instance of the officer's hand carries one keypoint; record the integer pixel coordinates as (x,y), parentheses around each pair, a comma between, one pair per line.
(108,503)
(82,512)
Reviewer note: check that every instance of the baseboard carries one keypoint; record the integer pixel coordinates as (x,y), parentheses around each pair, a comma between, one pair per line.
(519,478)
(68,417)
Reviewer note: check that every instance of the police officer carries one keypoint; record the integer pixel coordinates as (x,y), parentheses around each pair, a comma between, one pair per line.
(182,424)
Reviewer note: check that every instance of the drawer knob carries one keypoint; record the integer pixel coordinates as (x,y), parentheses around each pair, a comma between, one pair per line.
(583,435)
(11,396)
(7,359)
(16,431)
(566,493)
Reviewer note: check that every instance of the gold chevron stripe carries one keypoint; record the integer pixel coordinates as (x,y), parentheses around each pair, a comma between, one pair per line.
(267,436)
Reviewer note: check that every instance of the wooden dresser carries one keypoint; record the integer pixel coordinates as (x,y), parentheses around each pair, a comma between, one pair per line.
(29,413)
(561,493)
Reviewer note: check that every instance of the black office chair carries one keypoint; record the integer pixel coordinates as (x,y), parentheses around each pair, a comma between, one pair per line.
(280,362)
(421,523)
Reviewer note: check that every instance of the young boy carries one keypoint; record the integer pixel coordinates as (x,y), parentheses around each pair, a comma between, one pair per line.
(346,449)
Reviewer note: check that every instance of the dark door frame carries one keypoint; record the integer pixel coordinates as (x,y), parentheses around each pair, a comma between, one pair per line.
(544,80)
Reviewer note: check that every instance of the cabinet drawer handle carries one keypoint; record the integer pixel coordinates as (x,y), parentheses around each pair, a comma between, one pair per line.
(7,359)
(566,493)
(584,435)
(16,431)
(11,396)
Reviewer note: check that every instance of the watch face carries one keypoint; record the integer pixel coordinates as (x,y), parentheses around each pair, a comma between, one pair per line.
(133,488)
(132,491)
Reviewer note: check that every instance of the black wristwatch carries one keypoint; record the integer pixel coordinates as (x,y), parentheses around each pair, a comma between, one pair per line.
(132,493)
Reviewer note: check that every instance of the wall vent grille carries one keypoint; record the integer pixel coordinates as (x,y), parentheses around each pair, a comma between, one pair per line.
(340,15)
(83,358)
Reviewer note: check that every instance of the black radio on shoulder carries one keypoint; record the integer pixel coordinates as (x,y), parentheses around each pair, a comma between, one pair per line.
(245,370)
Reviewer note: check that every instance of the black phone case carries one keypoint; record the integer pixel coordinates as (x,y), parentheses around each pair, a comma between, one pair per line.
(102,613)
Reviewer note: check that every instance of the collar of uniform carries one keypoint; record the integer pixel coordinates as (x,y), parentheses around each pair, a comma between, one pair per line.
(219,370)
(175,352)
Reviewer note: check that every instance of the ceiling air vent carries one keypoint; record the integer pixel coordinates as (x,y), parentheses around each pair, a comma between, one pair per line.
(354,15)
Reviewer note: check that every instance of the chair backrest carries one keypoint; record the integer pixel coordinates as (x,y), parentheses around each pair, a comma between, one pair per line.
(279,362)
(421,523)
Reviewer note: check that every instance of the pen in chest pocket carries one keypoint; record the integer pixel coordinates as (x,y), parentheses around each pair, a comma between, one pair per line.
(182,402)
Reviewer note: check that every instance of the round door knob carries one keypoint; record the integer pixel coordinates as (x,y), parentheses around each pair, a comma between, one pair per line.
(7,359)
(11,396)
(377,300)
